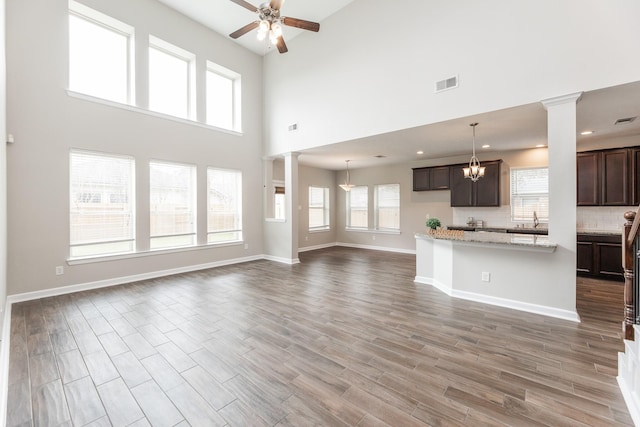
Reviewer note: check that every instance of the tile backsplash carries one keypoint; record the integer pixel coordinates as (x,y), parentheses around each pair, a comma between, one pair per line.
(595,218)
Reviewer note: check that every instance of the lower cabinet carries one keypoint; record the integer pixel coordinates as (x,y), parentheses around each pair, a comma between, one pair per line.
(600,256)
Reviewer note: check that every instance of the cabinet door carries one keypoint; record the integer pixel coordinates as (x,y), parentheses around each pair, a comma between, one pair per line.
(615,178)
(487,189)
(588,179)
(610,260)
(439,178)
(461,195)
(585,257)
(635,176)
(421,179)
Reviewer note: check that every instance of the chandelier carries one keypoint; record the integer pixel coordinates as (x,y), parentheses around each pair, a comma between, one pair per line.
(347,186)
(474,171)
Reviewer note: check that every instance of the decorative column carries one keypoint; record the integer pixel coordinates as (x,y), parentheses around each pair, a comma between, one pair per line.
(628,260)
(561,139)
(291,198)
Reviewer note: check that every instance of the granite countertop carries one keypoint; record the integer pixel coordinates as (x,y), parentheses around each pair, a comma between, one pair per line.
(531,241)
(515,230)
(594,231)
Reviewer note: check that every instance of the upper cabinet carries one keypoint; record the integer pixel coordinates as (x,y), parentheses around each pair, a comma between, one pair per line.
(435,178)
(608,177)
(483,193)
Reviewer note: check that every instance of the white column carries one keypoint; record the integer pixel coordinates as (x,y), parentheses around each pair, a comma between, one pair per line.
(267,185)
(561,128)
(291,197)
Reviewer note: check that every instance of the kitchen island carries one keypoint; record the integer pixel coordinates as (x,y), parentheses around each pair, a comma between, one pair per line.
(509,270)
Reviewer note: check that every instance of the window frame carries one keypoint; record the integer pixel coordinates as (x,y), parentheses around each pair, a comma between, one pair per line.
(194,209)
(131,194)
(349,209)
(238,211)
(325,207)
(106,22)
(236,95)
(190,59)
(540,214)
(377,207)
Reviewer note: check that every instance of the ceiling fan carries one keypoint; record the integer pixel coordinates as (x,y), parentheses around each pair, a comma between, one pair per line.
(270,23)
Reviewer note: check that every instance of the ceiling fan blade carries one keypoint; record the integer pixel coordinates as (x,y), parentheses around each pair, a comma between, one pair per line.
(246,5)
(244,30)
(300,23)
(276,4)
(282,46)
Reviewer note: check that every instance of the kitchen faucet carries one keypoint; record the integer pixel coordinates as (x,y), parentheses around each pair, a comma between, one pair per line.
(535,220)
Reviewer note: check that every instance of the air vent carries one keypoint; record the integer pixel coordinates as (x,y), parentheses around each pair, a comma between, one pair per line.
(380,156)
(450,83)
(293,127)
(624,121)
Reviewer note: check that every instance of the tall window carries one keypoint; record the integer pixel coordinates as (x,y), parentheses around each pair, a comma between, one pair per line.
(100,55)
(358,207)
(173,205)
(224,205)
(171,79)
(387,206)
(279,201)
(223,97)
(529,194)
(318,208)
(102,204)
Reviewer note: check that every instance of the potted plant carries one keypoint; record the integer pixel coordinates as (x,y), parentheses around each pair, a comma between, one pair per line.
(433,223)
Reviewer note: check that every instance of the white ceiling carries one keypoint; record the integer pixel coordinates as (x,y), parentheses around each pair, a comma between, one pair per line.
(511,129)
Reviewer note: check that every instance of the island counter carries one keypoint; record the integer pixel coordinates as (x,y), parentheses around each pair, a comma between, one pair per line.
(509,270)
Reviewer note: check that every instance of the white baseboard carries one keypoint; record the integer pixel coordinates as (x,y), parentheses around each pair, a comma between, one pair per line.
(377,248)
(630,398)
(281,260)
(501,302)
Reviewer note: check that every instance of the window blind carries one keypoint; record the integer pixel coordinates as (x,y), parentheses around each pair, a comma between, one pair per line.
(224,205)
(387,197)
(529,194)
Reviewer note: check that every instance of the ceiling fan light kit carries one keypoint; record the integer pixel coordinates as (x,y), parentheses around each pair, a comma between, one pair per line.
(270,23)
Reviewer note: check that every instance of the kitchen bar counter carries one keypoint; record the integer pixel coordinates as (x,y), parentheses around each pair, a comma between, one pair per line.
(515,230)
(508,240)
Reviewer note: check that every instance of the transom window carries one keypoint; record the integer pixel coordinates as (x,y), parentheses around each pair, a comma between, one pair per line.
(101,208)
(100,55)
(529,194)
(172,205)
(224,205)
(319,212)
(171,79)
(223,97)
(387,206)
(358,207)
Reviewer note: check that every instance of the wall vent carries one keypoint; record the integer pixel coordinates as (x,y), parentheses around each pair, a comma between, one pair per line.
(293,127)
(625,120)
(450,83)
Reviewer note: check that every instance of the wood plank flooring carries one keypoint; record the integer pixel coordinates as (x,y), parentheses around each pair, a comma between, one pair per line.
(343,339)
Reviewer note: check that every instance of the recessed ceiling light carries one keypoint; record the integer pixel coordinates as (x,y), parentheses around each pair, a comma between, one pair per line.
(486,146)
(586,132)
(420,152)
(540,146)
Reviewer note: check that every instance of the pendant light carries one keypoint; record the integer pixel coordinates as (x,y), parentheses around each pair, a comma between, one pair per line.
(474,172)
(347,186)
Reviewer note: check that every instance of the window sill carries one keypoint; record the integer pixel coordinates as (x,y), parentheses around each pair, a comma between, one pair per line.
(319,230)
(371,230)
(274,220)
(133,255)
(135,109)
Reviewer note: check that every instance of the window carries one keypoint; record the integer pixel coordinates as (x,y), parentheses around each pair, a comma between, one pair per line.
(173,205)
(279,202)
(224,205)
(223,97)
(171,79)
(529,194)
(387,210)
(99,224)
(318,208)
(100,55)
(358,207)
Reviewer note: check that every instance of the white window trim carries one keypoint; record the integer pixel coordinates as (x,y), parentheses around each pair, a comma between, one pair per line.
(326,208)
(376,209)
(240,205)
(237,92)
(106,21)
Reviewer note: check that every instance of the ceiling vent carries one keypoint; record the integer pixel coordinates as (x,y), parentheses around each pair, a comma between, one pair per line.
(625,120)
(450,83)
(380,156)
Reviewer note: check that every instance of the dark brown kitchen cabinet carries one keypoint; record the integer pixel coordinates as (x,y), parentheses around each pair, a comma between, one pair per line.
(635,175)
(434,178)
(484,192)
(600,255)
(607,177)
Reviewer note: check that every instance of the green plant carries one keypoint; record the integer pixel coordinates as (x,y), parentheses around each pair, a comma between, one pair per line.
(433,223)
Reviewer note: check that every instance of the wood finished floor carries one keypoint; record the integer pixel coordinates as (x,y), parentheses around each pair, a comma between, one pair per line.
(343,339)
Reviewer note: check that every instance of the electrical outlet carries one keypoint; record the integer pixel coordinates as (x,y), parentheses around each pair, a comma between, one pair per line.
(486,276)
(246,246)
(59,270)
(306,238)
(374,237)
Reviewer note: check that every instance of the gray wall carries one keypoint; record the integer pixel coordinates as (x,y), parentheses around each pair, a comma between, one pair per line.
(47,123)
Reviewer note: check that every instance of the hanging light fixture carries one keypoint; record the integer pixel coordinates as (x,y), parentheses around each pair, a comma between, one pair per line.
(474,171)
(347,186)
